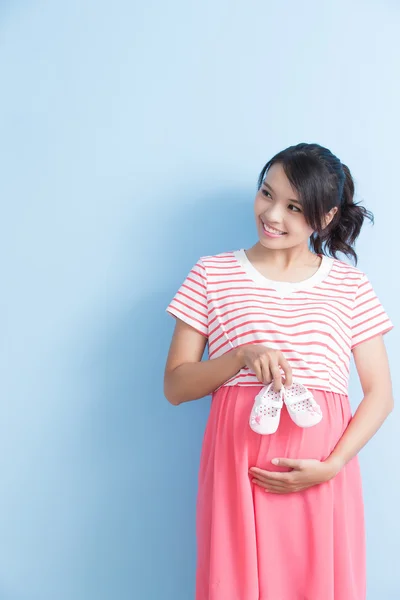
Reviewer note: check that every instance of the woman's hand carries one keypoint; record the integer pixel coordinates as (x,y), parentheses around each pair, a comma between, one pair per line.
(305,473)
(265,363)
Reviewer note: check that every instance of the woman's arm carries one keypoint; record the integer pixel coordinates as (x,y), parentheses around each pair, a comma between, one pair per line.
(373,369)
(186,376)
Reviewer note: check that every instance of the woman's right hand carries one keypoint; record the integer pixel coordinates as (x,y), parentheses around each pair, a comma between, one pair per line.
(265,363)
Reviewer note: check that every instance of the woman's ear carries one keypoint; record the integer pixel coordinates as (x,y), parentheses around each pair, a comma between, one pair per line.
(329,216)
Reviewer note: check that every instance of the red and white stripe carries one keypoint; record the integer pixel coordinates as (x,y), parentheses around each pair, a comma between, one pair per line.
(315,328)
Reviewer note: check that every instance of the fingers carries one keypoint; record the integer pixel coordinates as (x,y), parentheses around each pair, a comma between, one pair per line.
(271,476)
(265,369)
(276,376)
(275,363)
(271,371)
(268,366)
(274,487)
(287,369)
(258,370)
(281,486)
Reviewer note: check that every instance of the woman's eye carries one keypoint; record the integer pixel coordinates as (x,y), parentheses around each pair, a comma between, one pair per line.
(296,209)
(266,193)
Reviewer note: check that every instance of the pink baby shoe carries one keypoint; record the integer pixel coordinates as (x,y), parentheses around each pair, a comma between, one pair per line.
(266,411)
(301,405)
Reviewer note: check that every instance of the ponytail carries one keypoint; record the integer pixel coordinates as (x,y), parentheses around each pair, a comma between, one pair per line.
(342,232)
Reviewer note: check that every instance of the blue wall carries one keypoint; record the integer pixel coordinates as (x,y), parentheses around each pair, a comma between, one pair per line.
(131,138)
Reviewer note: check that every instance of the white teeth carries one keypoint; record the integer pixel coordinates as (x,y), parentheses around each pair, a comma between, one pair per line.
(271,230)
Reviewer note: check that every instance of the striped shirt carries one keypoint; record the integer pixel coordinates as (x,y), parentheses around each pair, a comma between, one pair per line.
(315,323)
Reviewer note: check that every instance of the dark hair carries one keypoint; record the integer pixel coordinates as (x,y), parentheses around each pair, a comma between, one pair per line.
(323,182)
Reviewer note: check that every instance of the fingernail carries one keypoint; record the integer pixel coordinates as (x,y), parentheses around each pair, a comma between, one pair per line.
(275,461)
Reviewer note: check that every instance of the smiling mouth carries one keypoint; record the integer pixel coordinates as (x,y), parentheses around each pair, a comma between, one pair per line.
(269,229)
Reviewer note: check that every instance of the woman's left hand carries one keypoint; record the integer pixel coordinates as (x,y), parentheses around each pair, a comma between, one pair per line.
(305,473)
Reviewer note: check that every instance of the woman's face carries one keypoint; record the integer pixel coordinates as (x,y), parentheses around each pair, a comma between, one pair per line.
(278,211)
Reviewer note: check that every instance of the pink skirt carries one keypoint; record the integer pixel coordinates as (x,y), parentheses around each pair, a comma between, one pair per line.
(253,545)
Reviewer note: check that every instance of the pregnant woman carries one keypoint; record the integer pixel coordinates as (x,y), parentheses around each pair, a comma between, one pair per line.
(280,508)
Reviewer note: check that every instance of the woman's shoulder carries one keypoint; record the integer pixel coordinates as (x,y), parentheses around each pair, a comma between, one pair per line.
(218,259)
(343,270)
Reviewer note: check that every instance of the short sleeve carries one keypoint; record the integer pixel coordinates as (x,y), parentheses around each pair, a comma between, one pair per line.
(369,317)
(190,302)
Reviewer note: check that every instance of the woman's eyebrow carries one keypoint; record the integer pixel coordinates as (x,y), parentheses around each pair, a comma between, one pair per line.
(290,199)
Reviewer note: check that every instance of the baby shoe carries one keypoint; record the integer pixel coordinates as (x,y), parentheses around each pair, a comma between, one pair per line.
(266,411)
(301,405)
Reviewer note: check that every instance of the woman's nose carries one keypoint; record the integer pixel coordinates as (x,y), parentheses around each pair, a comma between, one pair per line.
(274,214)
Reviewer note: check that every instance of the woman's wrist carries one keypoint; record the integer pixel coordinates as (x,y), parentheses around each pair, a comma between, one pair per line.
(334,464)
(239,357)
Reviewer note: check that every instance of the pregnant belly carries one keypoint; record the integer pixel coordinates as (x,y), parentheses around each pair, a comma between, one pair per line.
(228,436)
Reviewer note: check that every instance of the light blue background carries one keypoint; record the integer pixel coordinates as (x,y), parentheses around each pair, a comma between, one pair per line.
(132,135)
